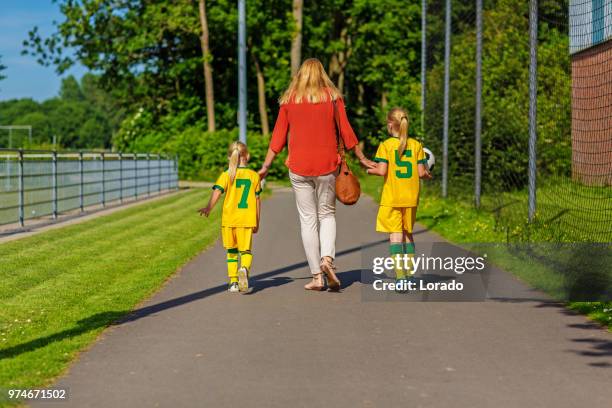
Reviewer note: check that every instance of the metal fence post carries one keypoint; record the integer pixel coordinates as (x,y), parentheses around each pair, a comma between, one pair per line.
(148,174)
(103,180)
(533,103)
(447,45)
(121,178)
(242,79)
(176,176)
(21,187)
(54,185)
(135,176)
(81,192)
(423,62)
(159,173)
(478,113)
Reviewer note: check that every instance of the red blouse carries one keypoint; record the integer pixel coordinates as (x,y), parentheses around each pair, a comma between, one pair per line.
(313,150)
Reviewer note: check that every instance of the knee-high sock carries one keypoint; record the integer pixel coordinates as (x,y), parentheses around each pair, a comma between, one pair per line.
(246,258)
(409,249)
(396,249)
(232,264)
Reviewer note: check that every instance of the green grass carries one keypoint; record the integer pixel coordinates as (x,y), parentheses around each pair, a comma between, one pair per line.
(459,222)
(61,288)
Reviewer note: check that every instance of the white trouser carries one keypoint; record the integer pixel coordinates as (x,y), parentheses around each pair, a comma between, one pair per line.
(315,197)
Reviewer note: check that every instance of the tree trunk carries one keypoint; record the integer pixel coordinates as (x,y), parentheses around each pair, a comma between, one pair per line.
(296,44)
(339,59)
(261,98)
(208,80)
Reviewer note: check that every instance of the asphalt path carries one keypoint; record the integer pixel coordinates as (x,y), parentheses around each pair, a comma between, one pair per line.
(194,344)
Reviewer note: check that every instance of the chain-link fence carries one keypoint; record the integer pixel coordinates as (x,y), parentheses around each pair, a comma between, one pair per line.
(518,109)
(37,183)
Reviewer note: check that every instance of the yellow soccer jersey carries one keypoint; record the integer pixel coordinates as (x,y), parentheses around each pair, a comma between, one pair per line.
(240,203)
(401,188)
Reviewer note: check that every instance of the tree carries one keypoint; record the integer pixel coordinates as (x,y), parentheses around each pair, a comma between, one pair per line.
(146,52)
(206,57)
(505,99)
(71,90)
(82,116)
(296,44)
(2,68)
(261,97)
(270,34)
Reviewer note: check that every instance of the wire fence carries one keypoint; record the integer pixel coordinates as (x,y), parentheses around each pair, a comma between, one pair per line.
(38,183)
(518,107)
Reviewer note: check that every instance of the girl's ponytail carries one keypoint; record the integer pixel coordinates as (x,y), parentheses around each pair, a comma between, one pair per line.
(235,151)
(403,135)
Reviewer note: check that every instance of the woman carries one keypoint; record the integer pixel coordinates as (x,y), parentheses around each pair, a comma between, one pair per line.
(307,112)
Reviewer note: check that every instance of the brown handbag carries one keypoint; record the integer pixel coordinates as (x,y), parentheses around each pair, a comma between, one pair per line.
(348,189)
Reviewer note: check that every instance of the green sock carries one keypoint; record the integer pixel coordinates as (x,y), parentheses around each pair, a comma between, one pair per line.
(397,249)
(232,265)
(409,250)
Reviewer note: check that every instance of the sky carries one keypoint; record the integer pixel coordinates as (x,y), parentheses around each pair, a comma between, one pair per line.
(25,77)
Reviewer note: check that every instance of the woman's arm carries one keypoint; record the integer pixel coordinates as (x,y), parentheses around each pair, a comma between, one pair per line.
(365,162)
(277,142)
(267,163)
(348,136)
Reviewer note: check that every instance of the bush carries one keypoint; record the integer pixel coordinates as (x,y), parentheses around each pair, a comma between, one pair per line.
(203,155)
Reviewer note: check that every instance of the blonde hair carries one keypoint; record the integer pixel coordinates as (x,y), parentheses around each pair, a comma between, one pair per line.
(310,84)
(399,123)
(234,153)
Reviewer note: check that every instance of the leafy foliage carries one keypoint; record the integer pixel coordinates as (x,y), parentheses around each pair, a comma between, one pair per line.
(505,99)
(148,56)
(2,68)
(203,155)
(82,116)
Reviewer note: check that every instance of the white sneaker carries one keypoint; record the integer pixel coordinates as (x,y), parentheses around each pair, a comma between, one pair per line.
(233,287)
(243,279)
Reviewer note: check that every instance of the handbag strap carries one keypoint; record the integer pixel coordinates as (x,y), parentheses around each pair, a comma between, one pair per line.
(339,140)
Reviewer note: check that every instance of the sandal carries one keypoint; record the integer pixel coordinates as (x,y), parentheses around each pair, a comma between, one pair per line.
(316,284)
(328,267)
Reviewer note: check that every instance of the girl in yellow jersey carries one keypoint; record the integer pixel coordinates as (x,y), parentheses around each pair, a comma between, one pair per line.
(240,218)
(402,162)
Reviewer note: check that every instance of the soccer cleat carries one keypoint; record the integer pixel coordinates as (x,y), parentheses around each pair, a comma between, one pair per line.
(401,285)
(233,287)
(243,279)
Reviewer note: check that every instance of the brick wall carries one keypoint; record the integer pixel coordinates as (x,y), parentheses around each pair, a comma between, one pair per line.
(592,115)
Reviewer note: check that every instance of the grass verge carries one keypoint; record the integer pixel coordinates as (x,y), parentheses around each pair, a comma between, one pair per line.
(61,288)
(460,223)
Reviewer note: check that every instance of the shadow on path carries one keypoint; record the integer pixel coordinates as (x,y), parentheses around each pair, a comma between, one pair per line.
(260,282)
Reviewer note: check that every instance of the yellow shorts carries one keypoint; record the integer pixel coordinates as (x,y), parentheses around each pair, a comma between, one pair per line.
(395,219)
(237,237)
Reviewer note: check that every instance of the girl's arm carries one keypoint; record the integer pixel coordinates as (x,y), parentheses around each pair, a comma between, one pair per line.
(380,169)
(423,172)
(258,213)
(214,197)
